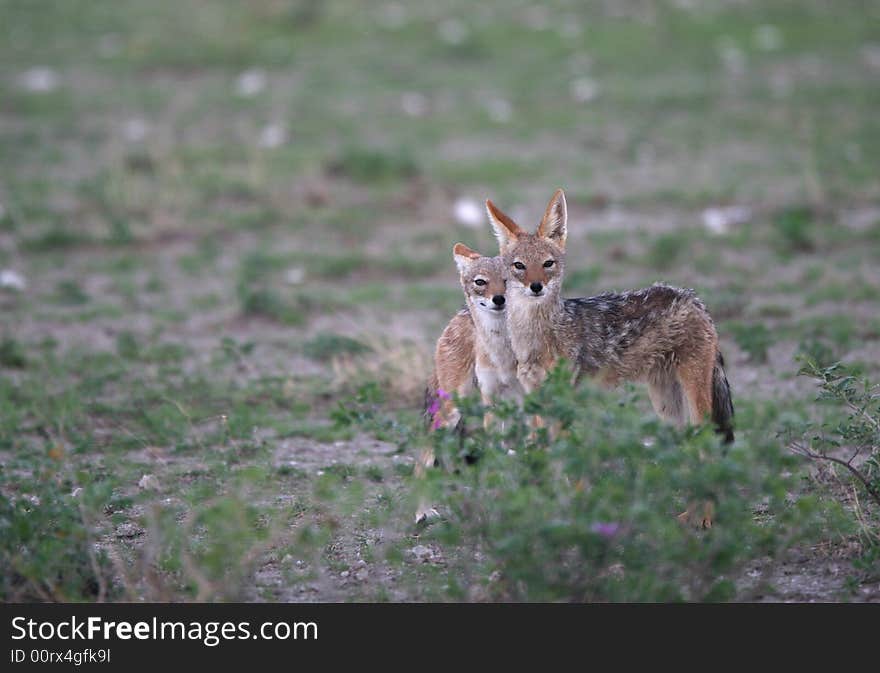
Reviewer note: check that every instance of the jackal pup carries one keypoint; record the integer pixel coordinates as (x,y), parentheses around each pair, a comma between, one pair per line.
(474,348)
(659,335)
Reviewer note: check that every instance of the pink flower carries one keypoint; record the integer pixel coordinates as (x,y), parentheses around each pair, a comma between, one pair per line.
(434,408)
(605,529)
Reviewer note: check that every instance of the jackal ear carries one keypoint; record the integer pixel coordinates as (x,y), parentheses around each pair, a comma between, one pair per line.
(463,256)
(506,230)
(554,224)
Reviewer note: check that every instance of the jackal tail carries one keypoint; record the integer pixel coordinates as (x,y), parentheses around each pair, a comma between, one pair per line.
(722,403)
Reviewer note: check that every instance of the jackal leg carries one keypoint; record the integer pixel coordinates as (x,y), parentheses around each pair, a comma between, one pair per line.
(667,397)
(695,377)
(689,516)
(425,510)
(531,376)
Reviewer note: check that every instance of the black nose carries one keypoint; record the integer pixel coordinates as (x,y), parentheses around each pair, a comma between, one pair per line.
(536,288)
(498,300)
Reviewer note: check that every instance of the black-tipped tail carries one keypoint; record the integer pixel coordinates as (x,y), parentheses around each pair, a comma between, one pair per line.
(722,403)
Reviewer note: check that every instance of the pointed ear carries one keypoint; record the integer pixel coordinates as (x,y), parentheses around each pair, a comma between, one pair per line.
(506,230)
(464,256)
(554,224)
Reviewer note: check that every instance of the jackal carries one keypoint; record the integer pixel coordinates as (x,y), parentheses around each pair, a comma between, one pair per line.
(659,335)
(473,350)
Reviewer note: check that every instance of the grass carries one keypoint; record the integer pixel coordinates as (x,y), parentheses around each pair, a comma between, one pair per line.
(327,346)
(252,324)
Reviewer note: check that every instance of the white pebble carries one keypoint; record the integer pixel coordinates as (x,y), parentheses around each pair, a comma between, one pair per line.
(295,276)
(768,38)
(871,55)
(148,483)
(732,57)
(392,16)
(583,89)
(469,213)
(500,111)
(135,130)
(414,104)
(453,31)
(421,553)
(272,136)
(39,80)
(250,83)
(12,280)
(719,220)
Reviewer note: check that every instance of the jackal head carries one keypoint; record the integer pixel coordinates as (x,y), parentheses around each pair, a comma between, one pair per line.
(533,263)
(482,279)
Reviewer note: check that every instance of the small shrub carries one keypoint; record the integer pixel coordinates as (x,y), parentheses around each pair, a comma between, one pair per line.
(328,345)
(58,237)
(127,346)
(369,165)
(817,350)
(754,338)
(666,249)
(583,279)
(70,293)
(267,303)
(851,442)
(46,548)
(588,513)
(257,293)
(12,354)
(795,230)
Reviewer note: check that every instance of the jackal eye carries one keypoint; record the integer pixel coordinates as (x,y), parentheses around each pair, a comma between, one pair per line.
(519,265)
(549,263)
(480,282)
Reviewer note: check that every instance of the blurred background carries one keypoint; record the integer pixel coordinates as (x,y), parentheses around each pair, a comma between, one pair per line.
(217,217)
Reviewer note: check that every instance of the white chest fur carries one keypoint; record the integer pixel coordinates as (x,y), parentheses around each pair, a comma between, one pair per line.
(496,363)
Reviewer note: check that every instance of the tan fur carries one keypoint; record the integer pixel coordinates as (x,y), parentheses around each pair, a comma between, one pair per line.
(454,360)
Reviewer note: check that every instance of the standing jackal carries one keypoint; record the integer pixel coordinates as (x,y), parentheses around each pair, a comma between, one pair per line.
(475,347)
(659,335)
(473,350)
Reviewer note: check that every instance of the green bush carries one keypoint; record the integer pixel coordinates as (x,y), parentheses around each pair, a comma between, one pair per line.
(258,293)
(370,165)
(328,345)
(850,441)
(666,249)
(588,513)
(12,354)
(46,545)
(795,230)
(754,338)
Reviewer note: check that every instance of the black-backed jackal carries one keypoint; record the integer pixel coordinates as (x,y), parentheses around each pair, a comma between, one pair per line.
(659,335)
(473,351)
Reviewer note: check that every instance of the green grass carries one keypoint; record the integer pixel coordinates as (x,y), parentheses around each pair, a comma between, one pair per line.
(326,346)
(194,295)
